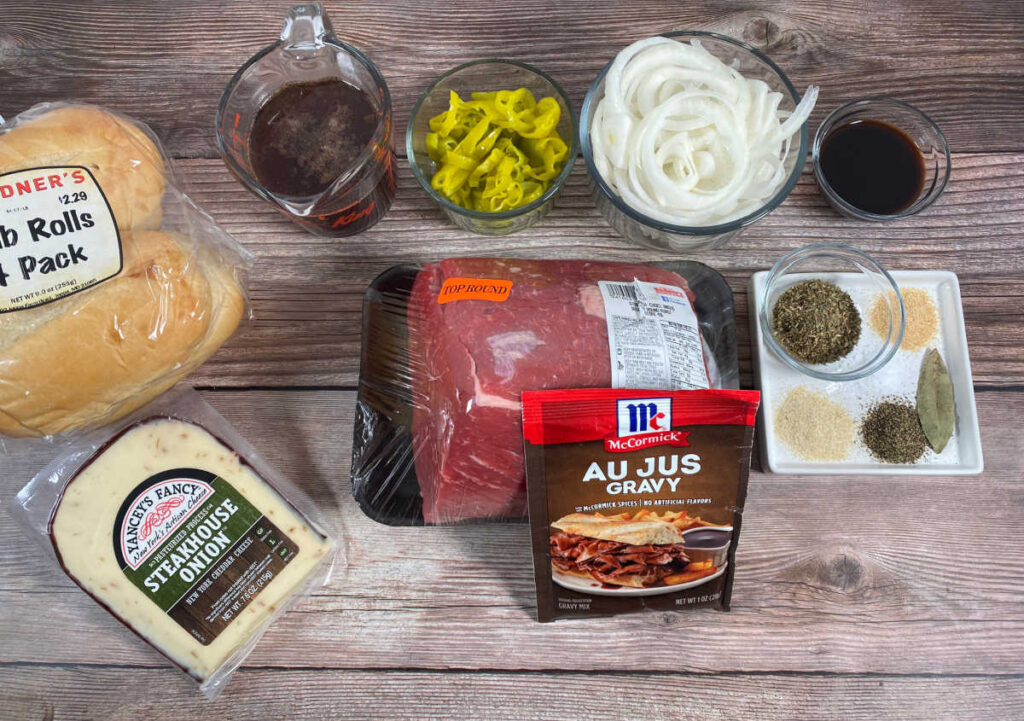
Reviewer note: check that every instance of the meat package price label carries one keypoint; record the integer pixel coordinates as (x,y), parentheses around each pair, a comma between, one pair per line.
(493,289)
(58,236)
(653,336)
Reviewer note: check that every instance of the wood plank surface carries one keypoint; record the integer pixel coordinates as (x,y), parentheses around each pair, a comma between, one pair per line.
(74,692)
(960,62)
(855,597)
(847,560)
(307,291)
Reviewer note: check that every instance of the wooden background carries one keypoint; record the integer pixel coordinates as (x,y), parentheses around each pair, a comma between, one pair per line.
(855,598)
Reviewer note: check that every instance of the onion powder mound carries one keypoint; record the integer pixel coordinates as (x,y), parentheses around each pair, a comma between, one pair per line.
(814,427)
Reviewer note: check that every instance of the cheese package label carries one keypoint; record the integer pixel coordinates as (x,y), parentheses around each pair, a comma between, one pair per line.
(201,552)
(58,236)
(179,537)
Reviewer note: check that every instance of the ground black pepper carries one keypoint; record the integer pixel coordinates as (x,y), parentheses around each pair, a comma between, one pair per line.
(892,432)
(816,322)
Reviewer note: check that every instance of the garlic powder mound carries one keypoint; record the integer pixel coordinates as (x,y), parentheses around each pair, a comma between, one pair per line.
(814,427)
(922,318)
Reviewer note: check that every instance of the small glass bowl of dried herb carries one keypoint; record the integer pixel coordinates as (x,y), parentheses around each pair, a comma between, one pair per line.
(815,307)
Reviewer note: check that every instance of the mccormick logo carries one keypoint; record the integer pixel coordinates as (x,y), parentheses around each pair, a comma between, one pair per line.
(644,422)
(643,415)
(156,513)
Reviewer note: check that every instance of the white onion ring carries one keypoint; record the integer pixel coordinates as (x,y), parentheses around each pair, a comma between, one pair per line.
(685,139)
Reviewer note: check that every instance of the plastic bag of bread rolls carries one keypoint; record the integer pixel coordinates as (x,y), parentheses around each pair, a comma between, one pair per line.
(113,283)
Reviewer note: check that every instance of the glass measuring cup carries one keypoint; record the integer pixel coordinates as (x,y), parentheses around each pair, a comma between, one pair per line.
(308,52)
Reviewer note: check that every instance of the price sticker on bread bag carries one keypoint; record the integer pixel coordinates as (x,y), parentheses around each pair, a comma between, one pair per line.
(58,236)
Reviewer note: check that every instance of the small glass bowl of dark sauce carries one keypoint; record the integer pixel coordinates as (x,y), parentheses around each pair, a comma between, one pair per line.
(880,159)
(708,543)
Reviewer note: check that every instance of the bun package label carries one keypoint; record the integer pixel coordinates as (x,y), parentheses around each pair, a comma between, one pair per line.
(58,236)
(635,497)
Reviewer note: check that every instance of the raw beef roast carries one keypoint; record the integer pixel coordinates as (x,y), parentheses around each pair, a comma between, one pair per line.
(470,360)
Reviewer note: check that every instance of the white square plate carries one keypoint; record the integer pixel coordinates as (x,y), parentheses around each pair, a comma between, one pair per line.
(775,378)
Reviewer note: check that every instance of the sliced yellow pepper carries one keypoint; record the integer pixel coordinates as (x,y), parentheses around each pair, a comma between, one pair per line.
(497,152)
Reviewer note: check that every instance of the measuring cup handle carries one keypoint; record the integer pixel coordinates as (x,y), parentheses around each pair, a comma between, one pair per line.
(306,25)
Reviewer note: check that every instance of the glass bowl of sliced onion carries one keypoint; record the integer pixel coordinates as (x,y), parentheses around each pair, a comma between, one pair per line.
(690,137)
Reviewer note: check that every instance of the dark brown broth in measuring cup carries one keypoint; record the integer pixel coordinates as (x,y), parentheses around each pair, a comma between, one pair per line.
(309,134)
(306,125)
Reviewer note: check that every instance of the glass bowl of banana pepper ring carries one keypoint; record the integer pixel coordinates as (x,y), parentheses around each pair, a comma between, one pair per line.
(492,142)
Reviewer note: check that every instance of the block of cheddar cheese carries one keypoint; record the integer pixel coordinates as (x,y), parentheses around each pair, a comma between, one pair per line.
(178,537)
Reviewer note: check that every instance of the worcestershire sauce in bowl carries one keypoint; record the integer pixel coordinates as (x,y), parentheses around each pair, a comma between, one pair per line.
(873,166)
(309,134)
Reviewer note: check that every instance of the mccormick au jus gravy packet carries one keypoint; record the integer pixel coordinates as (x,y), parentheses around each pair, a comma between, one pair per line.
(636,497)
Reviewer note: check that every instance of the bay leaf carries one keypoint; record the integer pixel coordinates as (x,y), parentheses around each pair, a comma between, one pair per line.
(935,406)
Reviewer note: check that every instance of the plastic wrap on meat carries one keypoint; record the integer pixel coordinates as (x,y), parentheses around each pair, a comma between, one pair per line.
(471,360)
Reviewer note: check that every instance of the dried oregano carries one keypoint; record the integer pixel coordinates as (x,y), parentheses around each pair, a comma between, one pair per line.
(816,322)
